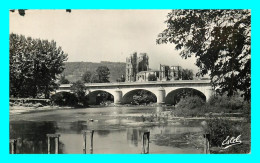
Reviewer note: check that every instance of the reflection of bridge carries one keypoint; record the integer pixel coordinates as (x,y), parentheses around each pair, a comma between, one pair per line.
(123,92)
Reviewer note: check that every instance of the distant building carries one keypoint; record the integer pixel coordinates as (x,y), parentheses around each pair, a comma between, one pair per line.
(165,73)
(135,64)
(137,69)
(144,75)
(175,73)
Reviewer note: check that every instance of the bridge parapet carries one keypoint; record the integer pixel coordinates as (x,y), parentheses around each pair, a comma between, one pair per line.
(156,83)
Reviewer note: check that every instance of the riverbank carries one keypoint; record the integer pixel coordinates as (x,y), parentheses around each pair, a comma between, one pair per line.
(16,109)
(167,115)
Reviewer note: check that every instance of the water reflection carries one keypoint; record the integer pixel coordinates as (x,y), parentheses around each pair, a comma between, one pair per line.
(117,130)
(159,109)
(78,126)
(103,133)
(31,136)
(133,136)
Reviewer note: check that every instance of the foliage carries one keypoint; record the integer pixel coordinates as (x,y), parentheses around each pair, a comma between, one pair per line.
(190,102)
(94,78)
(186,92)
(34,66)
(143,96)
(191,106)
(234,102)
(79,89)
(221,42)
(87,76)
(187,74)
(64,99)
(63,80)
(152,77)
(246,110)
(220,128)
(104,97)
(73,70)
(103,74)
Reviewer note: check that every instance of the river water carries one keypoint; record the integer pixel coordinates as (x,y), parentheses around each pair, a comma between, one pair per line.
(116,130)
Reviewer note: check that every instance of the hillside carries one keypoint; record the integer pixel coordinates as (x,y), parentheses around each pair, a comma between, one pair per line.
(74,70)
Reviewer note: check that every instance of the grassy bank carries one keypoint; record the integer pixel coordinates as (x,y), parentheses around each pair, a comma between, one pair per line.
(224,117)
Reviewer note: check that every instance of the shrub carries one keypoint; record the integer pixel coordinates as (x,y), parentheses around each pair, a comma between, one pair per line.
(228,103)
(220,128)
(190,102)
(190,106)
(246,110)
(144,97)
(64,99)
(79,89)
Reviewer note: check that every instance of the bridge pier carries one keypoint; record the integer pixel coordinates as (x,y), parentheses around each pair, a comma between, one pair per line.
(117,96)
(161,96)
(208,93)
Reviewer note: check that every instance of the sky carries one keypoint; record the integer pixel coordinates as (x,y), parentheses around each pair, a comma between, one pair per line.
(102,35)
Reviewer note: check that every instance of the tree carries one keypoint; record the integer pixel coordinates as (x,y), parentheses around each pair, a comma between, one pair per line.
(79,89)
(63,80)
(152,77)
(221,42)
(64,99)
(187,74)
(34,66)
(94,78)
(187,92)
(144,96)
(87,76)
(103,74)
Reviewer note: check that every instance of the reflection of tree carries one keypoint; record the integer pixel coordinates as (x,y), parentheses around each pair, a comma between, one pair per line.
(103,132)
(133,136)
(78,126)
(32,136)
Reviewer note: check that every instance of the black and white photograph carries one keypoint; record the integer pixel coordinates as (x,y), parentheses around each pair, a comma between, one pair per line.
(129,81)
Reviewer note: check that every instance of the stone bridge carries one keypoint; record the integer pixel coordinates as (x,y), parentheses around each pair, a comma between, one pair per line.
(163,90)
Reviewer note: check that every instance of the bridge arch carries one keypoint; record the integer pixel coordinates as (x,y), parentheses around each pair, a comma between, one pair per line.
(97,97)
(173,96)
(160,89)
(148,95)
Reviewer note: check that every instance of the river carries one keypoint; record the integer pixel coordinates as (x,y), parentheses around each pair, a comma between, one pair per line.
(116,130)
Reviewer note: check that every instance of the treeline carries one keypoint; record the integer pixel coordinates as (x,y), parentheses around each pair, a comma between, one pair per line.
(34,66)
(78,97)
(75,70)
(101,75)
